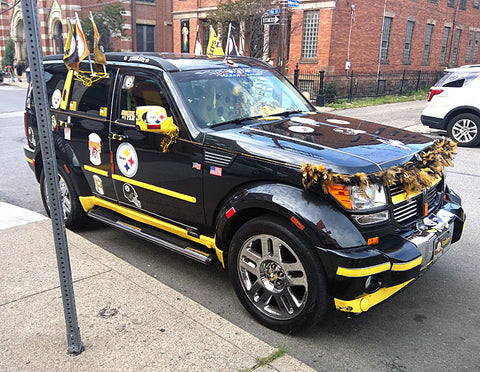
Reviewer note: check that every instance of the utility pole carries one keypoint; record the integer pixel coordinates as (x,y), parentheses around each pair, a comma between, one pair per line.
(42,112)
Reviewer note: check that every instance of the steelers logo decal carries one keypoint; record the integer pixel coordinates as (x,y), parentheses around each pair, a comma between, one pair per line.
(56,98)
(155,117)
(127,159)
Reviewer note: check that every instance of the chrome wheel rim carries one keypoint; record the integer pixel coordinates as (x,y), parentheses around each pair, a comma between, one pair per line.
(464,130)
(272,277)
(65,199)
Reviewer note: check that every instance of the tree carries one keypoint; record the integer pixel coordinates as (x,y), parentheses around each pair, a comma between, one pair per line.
(9,56)
(110,23)
(248,13)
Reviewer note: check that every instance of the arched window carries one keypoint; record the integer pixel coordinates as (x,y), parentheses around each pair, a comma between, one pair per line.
(58,38)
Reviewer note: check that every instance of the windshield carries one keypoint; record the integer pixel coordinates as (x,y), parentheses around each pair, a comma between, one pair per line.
(225,95)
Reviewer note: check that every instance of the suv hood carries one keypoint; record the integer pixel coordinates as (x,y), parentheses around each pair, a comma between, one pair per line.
(341,144)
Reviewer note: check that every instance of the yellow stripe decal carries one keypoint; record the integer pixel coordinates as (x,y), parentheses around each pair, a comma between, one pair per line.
(160,190)
(363,271)
(29,160)
(364,302)
(90,202)
(66,90)
(407,265)
(101,172)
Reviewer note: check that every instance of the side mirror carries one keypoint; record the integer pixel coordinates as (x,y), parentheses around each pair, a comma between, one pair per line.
(306,95)
(154,119)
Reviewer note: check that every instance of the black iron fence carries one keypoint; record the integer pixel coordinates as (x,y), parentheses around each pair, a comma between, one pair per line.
(324,88)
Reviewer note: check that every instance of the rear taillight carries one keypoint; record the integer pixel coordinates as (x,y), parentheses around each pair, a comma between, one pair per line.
(433,92)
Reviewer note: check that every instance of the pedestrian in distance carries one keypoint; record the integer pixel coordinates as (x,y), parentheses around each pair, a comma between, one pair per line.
(10,73)
(19,70)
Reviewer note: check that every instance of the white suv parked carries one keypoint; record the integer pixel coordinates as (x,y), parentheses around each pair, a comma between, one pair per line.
(453,104)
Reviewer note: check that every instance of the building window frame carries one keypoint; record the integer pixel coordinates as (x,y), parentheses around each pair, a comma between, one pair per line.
(475,4)
(475,47)
(462,5)
(146,38)
(385,41)
(408,41)
(446,35)
(451,3)
(428,42)
(469,45)
(310,33)
(458,34)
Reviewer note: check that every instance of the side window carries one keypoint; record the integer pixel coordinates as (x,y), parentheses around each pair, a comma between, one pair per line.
(138,90)
(92,100)
(55,80)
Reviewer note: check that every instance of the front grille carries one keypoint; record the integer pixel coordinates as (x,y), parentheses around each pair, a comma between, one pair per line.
(407,211)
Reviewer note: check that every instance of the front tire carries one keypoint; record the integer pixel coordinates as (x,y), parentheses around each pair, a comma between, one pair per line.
(465,129)
(74,216)
(277,276)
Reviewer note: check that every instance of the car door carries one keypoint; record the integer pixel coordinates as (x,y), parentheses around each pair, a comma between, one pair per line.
(148,176)
(85,122)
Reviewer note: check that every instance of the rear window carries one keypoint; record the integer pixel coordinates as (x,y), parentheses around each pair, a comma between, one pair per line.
(457,79)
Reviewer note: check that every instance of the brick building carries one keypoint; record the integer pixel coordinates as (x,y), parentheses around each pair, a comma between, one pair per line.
(149,20)
(373,35)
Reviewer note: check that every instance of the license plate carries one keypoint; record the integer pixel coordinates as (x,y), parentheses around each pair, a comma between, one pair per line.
(442,244)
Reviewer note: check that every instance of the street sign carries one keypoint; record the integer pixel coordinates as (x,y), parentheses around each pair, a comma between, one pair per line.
(293,3)
(273,11)
(270,20)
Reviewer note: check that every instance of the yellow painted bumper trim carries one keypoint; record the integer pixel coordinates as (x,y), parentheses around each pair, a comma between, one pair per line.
(404,196)
(160,190)
(90,202)
(362,271)
(407,265)
(29,160)
(366,301)
(101,172)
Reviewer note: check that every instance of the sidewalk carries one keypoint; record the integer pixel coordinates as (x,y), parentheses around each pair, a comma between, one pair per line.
(154,329)
(23,84)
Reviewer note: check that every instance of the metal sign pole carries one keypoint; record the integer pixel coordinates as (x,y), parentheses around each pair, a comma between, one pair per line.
(283,34)
(32,35)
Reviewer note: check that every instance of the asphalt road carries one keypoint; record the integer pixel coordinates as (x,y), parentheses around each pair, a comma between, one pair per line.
(432,325)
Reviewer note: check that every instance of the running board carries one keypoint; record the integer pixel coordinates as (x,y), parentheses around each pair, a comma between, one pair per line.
(184,247)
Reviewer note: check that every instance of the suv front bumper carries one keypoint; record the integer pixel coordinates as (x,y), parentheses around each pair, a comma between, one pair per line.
(366,276)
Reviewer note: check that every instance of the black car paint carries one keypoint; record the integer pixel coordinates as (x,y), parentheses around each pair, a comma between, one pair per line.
(260,163)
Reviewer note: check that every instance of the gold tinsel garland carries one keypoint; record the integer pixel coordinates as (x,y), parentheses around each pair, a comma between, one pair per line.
(413,176)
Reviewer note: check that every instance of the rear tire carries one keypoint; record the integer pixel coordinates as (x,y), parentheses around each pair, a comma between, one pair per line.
(277,276)
(465,129)
(74,216)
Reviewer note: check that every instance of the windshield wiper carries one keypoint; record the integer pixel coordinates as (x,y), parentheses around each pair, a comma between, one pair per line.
(235,121)
(286,113)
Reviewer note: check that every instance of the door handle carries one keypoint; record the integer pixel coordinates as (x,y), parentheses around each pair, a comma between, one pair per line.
(118,137)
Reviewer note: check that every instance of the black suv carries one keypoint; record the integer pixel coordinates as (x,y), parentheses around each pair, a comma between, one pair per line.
(224,158)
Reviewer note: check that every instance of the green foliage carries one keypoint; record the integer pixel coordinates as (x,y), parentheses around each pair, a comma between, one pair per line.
(9,56)
(247,11)
(418,95)
(330,92)
(109,21)
(265,361)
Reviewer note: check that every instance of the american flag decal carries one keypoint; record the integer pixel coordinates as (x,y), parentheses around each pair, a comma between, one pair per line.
(215,171)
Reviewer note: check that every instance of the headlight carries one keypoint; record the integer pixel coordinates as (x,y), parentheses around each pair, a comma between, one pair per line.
(362,199)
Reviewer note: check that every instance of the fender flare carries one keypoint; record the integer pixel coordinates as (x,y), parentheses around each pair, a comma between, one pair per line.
(323,223)
(65,158)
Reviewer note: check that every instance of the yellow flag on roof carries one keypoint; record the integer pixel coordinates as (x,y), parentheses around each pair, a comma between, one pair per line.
(214,47)
(98,50)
